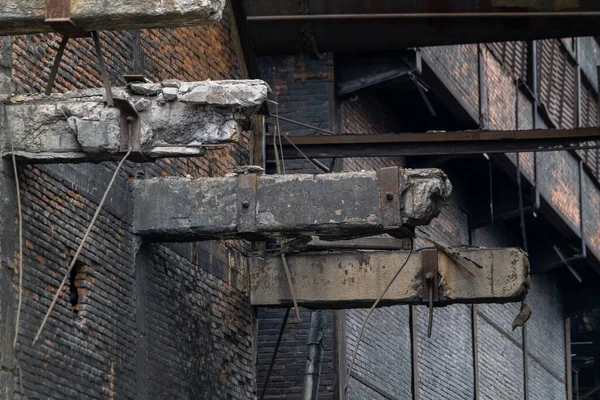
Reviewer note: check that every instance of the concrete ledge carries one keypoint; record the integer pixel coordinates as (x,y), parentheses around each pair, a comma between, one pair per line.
(27,16)
(356,279)
(177,119)
(331,205)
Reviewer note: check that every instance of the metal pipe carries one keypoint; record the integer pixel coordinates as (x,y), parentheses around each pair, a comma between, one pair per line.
(316,337)
(327,17)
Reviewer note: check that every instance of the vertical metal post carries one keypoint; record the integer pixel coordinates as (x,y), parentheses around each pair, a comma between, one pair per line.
(521,210)
(414,355)
(568,373)
(258,141)
(483,104)
(525,363)
(316,337)
(339,357)
(581,227)
(474,325)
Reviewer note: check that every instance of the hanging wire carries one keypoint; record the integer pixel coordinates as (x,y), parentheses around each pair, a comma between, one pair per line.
(20,211)
(364,323)
(85,236)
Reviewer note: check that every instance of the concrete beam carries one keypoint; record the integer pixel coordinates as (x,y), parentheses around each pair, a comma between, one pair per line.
(175,119)
(356,279)
(250,206)
(28,16)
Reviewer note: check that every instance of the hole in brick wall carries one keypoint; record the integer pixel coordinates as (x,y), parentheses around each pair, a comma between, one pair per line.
(74,283)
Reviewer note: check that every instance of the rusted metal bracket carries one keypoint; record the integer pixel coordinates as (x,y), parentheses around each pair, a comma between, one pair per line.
(246,203)
(130,128)
(58,16)
(389,197)
(430,279)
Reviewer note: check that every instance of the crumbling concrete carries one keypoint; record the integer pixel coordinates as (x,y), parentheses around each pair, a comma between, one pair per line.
(78,126)
(27,16)
(356,279)
(334,205)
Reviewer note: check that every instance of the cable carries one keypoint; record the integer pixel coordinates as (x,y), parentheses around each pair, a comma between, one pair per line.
(279,134)
(14,161)
(364,323)
(85,236)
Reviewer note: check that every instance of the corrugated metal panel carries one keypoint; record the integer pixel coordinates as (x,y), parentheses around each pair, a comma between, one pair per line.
(589,117)
(512,56)
(557,82)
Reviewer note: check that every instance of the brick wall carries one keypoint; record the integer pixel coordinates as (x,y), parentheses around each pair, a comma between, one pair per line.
(169,320)
(287,378)
(301,100)
(304,101)
(366,114)
(445,361)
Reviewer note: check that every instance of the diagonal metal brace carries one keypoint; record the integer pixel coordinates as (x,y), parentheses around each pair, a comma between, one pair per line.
(58,15)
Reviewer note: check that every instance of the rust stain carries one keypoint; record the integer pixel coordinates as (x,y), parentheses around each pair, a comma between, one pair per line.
(111,381)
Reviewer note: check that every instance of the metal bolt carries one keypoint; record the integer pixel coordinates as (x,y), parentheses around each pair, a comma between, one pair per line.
(129,119)
(245,204)
(389,196)
(429,276)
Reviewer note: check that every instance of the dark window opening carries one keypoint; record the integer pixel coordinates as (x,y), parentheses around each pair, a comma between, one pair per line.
(73,284)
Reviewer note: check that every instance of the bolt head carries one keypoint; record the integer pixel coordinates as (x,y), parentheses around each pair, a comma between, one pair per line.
(389,196)
(245,204)
(429,276)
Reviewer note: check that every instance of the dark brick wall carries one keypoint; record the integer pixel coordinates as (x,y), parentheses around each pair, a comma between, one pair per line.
(303,101)
(287,377)
(199,331)
(170,321)
(307,102)
(365,113)
(384,356)
(457,64)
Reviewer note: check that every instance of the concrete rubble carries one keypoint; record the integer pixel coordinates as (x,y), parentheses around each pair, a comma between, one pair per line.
(356,279)
(19,17)
(330,205)
(175,120)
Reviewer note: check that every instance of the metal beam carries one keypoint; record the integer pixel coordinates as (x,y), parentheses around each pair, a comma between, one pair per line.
(435,143)
(331,205)
(356,279)
(354,25)
(171,119)
(19,17)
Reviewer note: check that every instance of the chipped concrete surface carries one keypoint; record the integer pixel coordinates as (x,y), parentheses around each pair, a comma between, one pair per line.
(334,205)
(78,126)
(355,279)
(27,16)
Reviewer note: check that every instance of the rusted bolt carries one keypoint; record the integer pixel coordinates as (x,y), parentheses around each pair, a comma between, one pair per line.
(130,120)
(245,204)
(389,196)
(429,276)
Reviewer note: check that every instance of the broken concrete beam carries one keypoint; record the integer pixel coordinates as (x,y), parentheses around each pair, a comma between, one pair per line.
(330,205)
(175,119)
(357,279)
(28,16)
